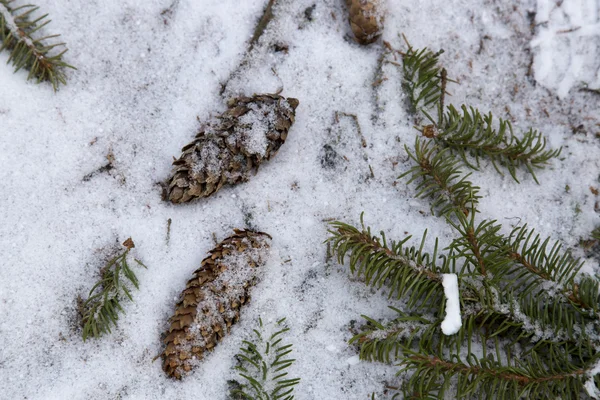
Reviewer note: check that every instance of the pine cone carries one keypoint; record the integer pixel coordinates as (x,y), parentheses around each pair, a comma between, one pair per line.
(248,133)
(211,302)
(366,19)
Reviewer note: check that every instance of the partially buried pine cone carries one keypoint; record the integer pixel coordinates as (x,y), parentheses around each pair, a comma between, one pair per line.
(211,302)
(366,19)
(251,131)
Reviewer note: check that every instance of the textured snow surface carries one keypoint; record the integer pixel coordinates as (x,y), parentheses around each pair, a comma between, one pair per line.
(590,386)
(567,44)
(257,122)
(146,71)
(452,321)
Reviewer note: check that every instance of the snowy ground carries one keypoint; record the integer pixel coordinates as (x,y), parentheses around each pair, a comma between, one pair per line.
(143,77)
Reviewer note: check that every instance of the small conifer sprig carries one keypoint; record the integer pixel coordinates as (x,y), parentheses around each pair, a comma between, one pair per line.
(545,342)
(521,266)
(475,134)
(263,364)
(102,307)
(539,265)
(467,132)
(437,175)
(18,29)
(424,80)
(520,295)
(406,270)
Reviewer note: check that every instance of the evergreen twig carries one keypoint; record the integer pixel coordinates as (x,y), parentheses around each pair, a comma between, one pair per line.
(529,321)
(404,270)
(537,264)
(491,378)
(262,364)
(471,133)
(17,34)
(423,81)
(385,343)
(467,132)
(438,175)
(102,307)
(506,300)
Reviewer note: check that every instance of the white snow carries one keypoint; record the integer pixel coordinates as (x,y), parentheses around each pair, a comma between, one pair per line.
(590,386)
(567,45)
(354,360)
(54,226)
(452,321)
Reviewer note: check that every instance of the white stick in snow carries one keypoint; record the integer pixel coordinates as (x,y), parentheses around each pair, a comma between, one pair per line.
(452,322)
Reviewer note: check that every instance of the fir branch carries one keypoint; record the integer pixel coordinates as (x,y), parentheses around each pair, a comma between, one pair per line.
(103,305)
(424,80)
(263,365)
(508,288)
(441,179)
(470,132)
(541,268)
(385,343)
(527,369)
(479,244)
(433,374)
(17,31)
(404,270)
(585,295)
(519,297)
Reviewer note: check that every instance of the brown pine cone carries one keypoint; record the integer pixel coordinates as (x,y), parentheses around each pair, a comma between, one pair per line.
(366,19)
(229,151)
(211,302)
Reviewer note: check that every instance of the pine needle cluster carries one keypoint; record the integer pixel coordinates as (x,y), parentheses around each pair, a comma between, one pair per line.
(18,34)
(467,133)
(530,320)
(103,305)
(262,366)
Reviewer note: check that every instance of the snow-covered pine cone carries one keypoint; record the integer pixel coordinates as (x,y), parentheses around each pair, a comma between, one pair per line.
(229,150)
(211,302)
(366,19)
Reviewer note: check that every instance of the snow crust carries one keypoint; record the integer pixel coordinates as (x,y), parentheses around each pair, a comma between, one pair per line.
(146,72)
(256,123)
(452,321)
(567,45)
(590,386)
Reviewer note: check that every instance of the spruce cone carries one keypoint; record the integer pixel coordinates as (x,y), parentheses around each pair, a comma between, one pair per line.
(366,19)
(211,302)
(249,132)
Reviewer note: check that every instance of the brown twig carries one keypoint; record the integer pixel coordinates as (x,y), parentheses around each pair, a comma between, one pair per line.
(168,230)
(444,82)
(474,242)
(474,370)
(262,24)
(363,141)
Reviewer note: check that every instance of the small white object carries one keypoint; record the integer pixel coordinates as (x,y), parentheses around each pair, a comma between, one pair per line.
(452,322)
(353,360)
